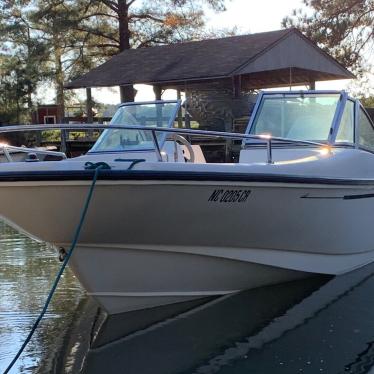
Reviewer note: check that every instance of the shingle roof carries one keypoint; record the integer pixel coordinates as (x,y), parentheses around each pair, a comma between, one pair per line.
(191,61)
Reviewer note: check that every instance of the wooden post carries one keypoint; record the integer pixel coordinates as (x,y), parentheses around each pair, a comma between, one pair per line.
(127,94)
(122,94)
(158,92)
(236,86)
(312,85)
(187,118)
(180,118)
(89,105)
(63,146)
(237,90)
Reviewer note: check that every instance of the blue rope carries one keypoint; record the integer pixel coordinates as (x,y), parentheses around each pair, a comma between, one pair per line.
(97,168)
(95,165)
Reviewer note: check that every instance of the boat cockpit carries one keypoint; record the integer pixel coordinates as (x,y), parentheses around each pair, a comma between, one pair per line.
(286,119)
(137,138)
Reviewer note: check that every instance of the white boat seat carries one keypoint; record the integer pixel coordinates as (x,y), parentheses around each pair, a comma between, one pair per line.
(199,155)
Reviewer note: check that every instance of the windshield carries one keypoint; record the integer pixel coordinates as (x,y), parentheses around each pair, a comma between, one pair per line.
(296,116)
(156,114)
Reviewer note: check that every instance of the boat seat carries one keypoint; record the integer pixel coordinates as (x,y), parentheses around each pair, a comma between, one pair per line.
(199,155)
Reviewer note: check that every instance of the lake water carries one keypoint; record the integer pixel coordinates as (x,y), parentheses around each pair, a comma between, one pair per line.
(27,270)
(318,325)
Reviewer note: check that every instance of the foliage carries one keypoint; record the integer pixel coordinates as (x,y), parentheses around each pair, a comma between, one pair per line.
(13,91)
(368,102)
(345,29)
(124,24)
(113,26)
(21,62)
(51,136)
(58,40)
(363,88)
(38,34)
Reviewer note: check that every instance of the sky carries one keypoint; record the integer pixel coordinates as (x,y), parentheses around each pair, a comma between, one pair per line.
(250,16)
(253,16)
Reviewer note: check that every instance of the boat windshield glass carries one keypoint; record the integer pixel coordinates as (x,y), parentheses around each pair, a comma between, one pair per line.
(154,114)
(293,116)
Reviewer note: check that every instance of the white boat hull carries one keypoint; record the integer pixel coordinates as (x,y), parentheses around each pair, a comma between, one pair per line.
(125,279)
(146,243)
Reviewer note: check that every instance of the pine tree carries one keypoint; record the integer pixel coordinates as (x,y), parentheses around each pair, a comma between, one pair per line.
(58,40)
(55,22)
(117,25)
(345,29)
(22,59)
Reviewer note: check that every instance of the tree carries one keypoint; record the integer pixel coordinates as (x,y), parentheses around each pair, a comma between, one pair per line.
(55,22)
(42,35)
(35,36)
(368,102)
(363,89)
(345,29)
(116,25)
(12,91)
(22,54)
(58,40)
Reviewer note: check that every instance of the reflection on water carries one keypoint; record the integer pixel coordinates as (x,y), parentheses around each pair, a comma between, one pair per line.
(27,270)
(317,325)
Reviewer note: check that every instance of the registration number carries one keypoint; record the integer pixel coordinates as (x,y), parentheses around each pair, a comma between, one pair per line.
(229,196)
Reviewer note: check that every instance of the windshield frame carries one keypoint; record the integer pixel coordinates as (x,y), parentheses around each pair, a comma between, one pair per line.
(163,135)
(335,124)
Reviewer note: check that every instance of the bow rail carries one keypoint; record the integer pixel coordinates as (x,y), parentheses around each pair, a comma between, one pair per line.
(268,139)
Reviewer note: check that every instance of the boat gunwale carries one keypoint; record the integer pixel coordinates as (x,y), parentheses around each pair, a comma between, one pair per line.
(73,175)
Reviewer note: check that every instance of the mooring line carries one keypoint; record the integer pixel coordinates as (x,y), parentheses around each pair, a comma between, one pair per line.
(94,166)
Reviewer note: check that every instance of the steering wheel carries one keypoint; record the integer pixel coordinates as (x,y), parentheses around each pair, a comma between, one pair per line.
(186,143)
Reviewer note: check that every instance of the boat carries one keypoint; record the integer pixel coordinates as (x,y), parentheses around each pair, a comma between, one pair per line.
(165,226)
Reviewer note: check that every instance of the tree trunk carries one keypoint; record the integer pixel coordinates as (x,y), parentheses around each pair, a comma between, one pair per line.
(89,105)
(124,31)
(29,103)
(29,86)
(59,81)
(127,92)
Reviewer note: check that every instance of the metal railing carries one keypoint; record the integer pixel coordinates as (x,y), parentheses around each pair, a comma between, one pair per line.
(269,140)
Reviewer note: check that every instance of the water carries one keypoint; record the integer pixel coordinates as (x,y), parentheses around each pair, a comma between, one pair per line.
(27,270)
(319,325)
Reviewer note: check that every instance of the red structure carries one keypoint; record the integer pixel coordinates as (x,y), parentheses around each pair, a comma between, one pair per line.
(45,114)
